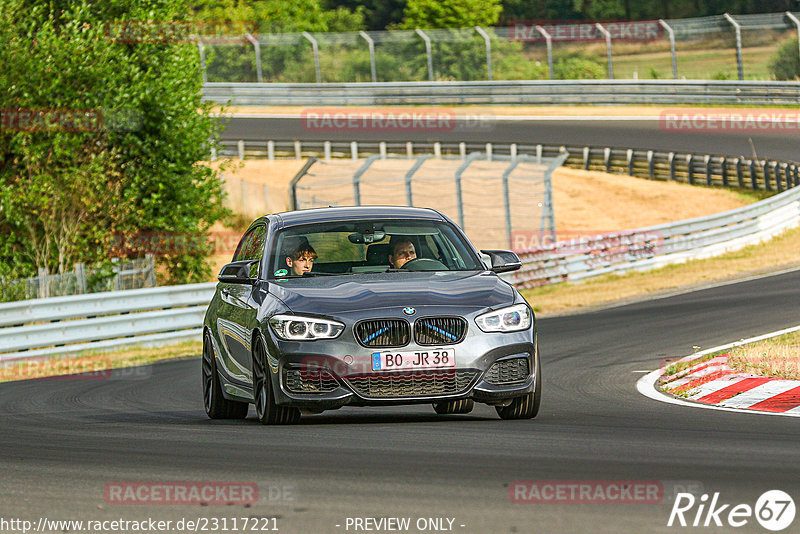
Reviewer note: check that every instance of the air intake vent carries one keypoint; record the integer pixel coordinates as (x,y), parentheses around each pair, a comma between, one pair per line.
(383,333)
(414,384)
(309,381)
(439,330)
(508,371)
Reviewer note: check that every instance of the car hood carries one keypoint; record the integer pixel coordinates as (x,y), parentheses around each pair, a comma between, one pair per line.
(328,295)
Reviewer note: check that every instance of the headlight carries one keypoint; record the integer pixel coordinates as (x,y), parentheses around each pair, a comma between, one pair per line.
(297,328)
(511,319)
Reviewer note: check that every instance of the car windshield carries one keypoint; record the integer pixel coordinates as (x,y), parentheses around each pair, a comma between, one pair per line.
(369,246)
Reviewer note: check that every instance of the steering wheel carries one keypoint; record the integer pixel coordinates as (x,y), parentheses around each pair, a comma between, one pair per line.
(424,264)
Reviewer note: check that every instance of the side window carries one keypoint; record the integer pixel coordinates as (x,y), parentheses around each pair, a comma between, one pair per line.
(252,244)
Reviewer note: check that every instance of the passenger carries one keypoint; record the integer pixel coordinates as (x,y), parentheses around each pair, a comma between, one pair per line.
(301,259)
(401,252)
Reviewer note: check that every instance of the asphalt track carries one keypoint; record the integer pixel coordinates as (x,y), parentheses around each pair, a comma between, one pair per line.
(774,142)
(63,440)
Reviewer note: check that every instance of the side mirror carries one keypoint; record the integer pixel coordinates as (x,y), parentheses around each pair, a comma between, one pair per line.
(503,261)
(240,272)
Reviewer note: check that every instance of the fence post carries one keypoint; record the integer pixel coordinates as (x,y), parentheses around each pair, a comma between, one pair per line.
(796,170)
(671,35)
(488,50)
(371,45)
(549,40)
(707,163)
(765,166)
(459,196)
(753,176)
(293,203)
(80,277)
(315,49)
(414,168)
(607,35)
(240,146)
(607,158)
(739,174)
(777,172)
(651,170)
(357,178)
(724,164)
(738,29)
(671,160)
(507,197)
(427,51)
(257,49)
(630,161)
(690,167)
(270,150)
(796,22)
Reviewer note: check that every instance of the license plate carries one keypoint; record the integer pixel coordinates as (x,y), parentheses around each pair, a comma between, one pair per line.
(413,359)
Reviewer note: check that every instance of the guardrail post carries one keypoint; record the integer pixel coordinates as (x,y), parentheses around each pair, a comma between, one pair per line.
(298,153)
(409,149)
(739,174)
(427,51)
(382,149)
(326,150)
(586,151)
(270,150)
(707,163)
(488,151)
(488,51)
(724,165)
(630,161)
(651,170)
(462,150)
(315,50)
(671,161)
(607,158)
(549,40)
(213,154)
(371,44)
(437,149)
(240,146)
(738,29)
(354,150)
(257,49)
(607,36)
(690,167)
(414,168)
(512,149)
(671,35)
(539,154)
(459,195)
(753,175)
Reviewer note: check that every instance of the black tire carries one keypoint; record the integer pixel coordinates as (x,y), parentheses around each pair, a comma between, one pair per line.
(216,405)
(267,411)
(454,407)
(527,406)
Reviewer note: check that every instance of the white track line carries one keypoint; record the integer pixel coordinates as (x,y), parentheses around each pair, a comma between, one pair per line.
(647,384)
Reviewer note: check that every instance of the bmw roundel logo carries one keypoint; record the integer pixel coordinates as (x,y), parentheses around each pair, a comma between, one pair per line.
(409,311)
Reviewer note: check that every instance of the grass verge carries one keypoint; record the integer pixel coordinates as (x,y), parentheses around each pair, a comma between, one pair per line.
(777,357)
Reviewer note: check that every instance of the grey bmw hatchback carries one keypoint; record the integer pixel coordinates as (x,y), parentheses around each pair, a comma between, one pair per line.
(366,306)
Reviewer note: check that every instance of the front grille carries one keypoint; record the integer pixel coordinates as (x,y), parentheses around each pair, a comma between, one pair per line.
(309,381)
(439,330)
(508,371)
(383,333)
(413,384)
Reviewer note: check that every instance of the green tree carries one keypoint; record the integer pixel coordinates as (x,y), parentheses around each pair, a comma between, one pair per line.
(118,154)
(785,63)
(451,13)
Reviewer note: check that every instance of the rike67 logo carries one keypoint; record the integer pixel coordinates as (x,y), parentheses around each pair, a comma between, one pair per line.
(774,510)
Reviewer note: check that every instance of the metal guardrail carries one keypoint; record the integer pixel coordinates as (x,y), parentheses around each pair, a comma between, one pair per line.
(115,319)
(661,245)
(699,169)
(505,92)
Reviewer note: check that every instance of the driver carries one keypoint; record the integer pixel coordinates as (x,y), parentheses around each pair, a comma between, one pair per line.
(402,251)
(300,257)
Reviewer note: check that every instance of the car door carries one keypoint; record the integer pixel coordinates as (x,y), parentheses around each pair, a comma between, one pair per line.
(238,309)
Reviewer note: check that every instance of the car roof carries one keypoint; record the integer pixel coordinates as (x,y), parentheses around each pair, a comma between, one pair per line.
(350,213)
